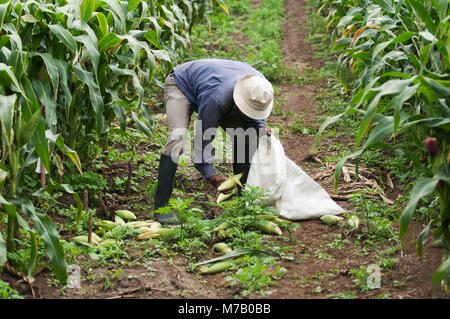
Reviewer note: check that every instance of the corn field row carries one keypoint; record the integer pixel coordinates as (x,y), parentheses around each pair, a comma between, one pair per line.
(68,69)
(395,65)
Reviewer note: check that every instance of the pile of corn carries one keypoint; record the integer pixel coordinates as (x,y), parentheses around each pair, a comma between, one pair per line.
(266,223)
(145,229)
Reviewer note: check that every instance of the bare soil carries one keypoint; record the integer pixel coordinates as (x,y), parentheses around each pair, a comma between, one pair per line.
(318,272)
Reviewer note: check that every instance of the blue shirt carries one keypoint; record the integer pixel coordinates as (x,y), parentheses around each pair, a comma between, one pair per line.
(208,84)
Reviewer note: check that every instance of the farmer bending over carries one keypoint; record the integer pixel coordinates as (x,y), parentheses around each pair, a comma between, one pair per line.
(225,93)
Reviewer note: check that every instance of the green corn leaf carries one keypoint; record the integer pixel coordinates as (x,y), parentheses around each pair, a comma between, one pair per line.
(47,231)
(132,74)
(443,274)
(120,13)
(64,36)
(102,23)
(90,49)
(51,65)
(423,14)
(26,128)
(152,37)
(3,176)
(86,9)
(422,238)
(38,139)
(380,47)
(119,109)
(404,96)
(403,37)
(133,4)
(29,18)
(59,142)
(44,91)
(109,41)
(3,251)
(10,74)
(223,6)
(386,5)
(388,88)
(4,8)
(7,105)
(421,188)
(428,36)
(443,5)
(324,125)
(162,55)
(63,77)
(441,88)
(397,75)
(157,27)
(33,254)
(94,94)
(142,126)
(146,111)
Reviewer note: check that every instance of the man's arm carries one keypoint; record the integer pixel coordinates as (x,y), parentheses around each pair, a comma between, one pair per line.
(209,115)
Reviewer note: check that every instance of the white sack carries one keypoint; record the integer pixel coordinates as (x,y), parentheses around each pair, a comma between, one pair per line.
(290,190)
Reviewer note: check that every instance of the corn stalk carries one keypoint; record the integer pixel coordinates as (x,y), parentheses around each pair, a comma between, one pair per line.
(395,65)
(87,63)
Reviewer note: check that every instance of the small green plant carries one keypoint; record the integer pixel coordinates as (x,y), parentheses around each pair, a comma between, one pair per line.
(6,292)
(361,278)
(252,277)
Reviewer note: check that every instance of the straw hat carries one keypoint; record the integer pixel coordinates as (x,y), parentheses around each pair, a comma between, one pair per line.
(253,96)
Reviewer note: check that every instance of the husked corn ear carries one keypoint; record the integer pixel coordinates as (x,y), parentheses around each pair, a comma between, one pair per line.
(149,234)
(96,238)
(237,179)
(141,223)
(280,221)
(160,232)
(107,243)
(222,248)
(168,232)
(144,229)
(119,220)
(126,214)
(222,234)
(106,224)
(217,267)
(223,197)
(224,225)
(353,221)
(83,239)
(230,232)
(268,227)
(331,219)
(155,225)
(266,216)
(230,182)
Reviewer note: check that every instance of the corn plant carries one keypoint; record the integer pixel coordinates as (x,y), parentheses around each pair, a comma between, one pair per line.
(395,66)
(68,70)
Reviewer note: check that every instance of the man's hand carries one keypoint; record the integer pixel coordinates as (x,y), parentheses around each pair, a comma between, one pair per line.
(268,130)
(216,180)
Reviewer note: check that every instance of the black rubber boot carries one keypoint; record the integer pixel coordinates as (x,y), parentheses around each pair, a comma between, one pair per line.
(166,174)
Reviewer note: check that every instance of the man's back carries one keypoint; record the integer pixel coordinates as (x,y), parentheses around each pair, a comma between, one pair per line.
(201,79)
